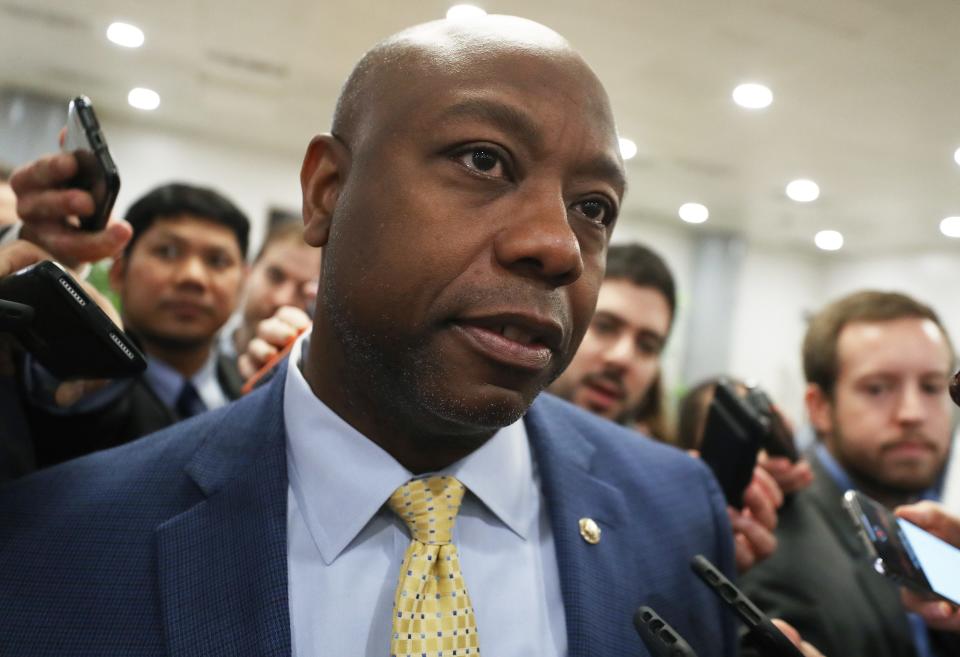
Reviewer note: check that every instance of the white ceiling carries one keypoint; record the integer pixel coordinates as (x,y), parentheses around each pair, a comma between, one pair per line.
(865,93)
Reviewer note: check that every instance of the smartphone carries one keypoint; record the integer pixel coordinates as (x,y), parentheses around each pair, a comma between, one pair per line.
(777,440)
(731,441)
(907,554)
(761,632)
(97,172)
(65,330)
(659,638)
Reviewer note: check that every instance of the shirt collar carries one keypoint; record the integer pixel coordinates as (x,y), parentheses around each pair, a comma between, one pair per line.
(167,382)
(339,496)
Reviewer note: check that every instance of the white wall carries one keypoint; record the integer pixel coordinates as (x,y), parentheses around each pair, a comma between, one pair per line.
(254,180)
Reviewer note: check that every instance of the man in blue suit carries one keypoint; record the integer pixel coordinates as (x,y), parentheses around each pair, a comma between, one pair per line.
(464,202)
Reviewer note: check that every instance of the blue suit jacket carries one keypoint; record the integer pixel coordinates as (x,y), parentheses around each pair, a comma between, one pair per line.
(176,544)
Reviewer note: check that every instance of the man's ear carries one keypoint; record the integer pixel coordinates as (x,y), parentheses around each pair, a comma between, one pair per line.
(324,169)
(819,409)
(117,270)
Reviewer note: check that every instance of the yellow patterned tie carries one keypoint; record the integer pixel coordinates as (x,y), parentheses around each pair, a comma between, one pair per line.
(432,614)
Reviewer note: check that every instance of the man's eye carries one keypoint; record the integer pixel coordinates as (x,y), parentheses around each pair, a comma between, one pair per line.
(167,251)
(597,211)
(484,160)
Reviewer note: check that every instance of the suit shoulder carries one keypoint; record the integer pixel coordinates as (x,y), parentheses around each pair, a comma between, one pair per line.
(621,449)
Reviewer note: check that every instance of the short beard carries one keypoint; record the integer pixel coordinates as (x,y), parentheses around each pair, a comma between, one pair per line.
(172,342)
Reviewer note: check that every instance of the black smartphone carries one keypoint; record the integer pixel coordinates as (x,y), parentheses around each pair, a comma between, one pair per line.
(97,172)
(907,554)
(659,638)
(761,632)
(65,330)
(777,440)
(731,441)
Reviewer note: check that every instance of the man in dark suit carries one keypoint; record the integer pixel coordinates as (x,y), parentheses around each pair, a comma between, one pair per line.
(877,366)
(179,279)
(464,203)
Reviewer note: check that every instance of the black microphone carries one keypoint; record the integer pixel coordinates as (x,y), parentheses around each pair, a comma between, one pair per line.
(661,639)
(762,635)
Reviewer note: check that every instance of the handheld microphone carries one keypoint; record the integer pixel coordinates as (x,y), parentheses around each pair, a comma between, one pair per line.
(762,634)
(661,639)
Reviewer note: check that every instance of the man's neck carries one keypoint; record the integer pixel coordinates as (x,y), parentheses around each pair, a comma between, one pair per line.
(187,361)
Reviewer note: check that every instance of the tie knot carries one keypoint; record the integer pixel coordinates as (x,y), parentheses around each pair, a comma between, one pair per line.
(429,507)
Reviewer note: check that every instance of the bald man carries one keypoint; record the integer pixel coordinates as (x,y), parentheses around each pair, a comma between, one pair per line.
(464,200)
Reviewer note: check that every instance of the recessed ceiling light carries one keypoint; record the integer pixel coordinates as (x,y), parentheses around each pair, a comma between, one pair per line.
(142,98)
(126,35)
(465,12)
(803,191)
(950,226)
(694,213)
(828,240)
(956,156)
(752,96)
(628,148)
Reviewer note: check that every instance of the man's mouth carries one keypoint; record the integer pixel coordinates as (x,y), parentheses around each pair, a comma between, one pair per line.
(514,339)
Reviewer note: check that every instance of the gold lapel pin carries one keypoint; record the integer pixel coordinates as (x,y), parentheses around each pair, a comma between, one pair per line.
(590,530)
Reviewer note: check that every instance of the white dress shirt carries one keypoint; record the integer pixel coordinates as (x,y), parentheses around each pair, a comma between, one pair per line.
(345,547)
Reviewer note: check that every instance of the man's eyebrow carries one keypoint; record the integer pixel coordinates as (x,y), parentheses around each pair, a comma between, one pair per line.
(607,169)
(506,117)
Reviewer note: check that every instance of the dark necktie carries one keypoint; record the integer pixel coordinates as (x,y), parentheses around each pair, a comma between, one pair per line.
(189,402)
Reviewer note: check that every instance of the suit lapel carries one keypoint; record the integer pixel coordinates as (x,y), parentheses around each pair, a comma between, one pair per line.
(222,565)
(880,592)
(589,574)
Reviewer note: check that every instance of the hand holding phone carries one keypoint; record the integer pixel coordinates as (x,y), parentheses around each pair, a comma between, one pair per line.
(904,552)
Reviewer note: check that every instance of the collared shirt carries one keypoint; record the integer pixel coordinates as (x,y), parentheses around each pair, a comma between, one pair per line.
(167,382)
(345,547)
(918,628)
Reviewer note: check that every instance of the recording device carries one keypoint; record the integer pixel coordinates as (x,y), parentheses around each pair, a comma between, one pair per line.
(659,638)
(66,331)
(905,553)
(731,440)
(97,172)
(762,634)
(777,440)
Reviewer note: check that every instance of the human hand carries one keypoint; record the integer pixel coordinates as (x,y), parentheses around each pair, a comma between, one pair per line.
(790,477)
(753,526)
(49,212)
(791,633)
(273,334)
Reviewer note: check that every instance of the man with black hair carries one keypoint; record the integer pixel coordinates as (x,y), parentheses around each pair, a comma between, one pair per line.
(179,279)
(616,370)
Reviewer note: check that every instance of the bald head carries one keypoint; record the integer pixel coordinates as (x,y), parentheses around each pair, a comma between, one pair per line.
(451,50)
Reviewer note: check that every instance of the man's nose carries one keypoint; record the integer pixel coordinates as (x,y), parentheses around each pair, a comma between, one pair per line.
(911,409)
(621,353)
(193,270)
(538,240)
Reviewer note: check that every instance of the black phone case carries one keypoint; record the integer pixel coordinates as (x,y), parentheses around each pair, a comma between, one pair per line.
(762,633)
(731,442)
(68,333)
(97,171)
(777,439)
(659,638)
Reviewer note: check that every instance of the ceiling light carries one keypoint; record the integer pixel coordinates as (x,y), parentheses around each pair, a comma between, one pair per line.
(828,240)
(126,35)
(956,156)
(752,96)
(950,226)
(464,13)
(142,98)
(628,148)
(803,191)
(694,213)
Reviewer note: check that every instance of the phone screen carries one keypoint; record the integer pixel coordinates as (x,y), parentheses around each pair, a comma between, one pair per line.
(939,562)
(908,553)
